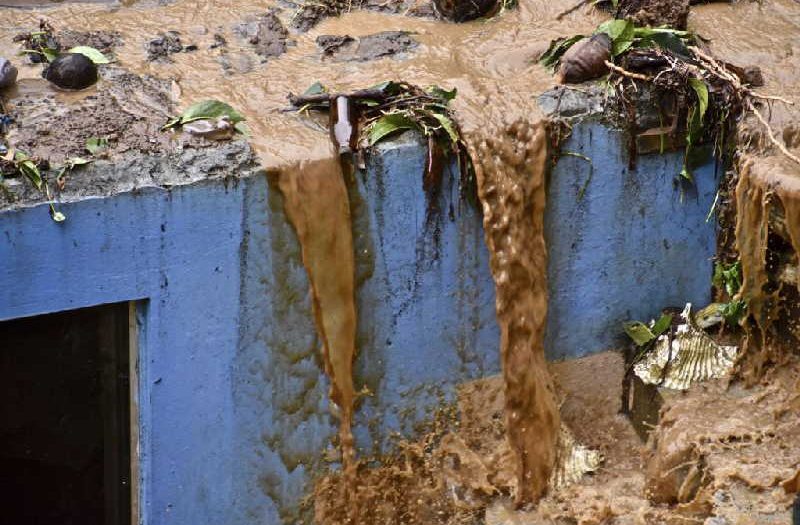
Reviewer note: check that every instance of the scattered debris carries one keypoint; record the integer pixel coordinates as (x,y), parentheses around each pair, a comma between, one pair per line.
(8,73)
(71,71)
(654,13)
(266,34)
(392,107)
(343,48)
(219,129)
(585,60)
(466,10)
(39,46)
(211,119)
(166,44)
(15,163)
(103,41)
(682,356)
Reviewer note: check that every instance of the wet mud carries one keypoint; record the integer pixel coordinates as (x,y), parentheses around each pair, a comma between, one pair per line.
(505,448)
(768,242)
(344,48)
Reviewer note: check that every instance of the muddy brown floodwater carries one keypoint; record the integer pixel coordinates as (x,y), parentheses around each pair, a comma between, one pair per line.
(492,64)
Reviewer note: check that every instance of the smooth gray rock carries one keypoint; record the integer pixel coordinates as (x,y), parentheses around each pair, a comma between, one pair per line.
(8,73)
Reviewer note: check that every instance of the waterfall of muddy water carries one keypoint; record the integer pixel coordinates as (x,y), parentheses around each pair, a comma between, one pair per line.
(768,204)
(491,63)
(510,169)
(316,203)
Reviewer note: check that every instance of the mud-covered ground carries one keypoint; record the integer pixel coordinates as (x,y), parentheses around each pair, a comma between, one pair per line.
(722,454)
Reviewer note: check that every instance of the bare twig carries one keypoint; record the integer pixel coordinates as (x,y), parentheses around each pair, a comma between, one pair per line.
(572,9)
(625,72)
(771,134)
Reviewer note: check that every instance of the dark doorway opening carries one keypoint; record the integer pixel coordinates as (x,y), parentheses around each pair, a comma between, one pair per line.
(65,418)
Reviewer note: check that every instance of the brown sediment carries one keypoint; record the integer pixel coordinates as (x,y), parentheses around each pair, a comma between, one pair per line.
(768,241)
(491,64)
(729,451)
(316,202)
(510,171)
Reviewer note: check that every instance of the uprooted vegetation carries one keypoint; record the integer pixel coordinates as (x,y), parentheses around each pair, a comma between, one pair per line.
(701,100)
(382,111)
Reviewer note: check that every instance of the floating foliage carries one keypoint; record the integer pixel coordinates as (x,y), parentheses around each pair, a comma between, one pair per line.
(91,53)
(389,108)
(642,334)
(18,163)
(699,98)
(728,278)
(95,145)
(208,109)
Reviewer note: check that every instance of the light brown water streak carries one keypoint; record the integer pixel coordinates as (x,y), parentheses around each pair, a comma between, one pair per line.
(510,168)
(492,65)
(316,203)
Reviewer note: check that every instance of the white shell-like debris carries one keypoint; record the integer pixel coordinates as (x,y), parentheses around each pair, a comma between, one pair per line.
(574,460)
(219,129)
(692,356)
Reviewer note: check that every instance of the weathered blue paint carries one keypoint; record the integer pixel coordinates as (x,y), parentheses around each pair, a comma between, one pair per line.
(622,244)
(179,252)
(233,404)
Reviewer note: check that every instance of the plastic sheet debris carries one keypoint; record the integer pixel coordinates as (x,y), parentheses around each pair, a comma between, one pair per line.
(686,356)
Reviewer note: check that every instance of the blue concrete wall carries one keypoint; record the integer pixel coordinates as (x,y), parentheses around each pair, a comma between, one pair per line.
(179,252)
(633,243)
(234,413)
(233,403)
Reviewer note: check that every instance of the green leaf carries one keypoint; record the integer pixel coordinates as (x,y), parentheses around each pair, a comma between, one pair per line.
(91,53)
(31,171)
(638,332)
(558,47)
(448,126)
(58,216)
(436,91)
(623,41)
(49,54)
(95,144)
(78,161)
(208,109)
(734,311)
(701,89)
(661,325)
(171,123)
(667,41)
(616,29)
(316,89)
(242,128)
(388,124)
(387,88)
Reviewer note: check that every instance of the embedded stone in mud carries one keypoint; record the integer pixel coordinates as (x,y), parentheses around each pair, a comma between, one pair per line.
(585,60)
(655,13)
(8,73)
(370,47)
(71,71)
(166,44)
(266,34)
(466,10)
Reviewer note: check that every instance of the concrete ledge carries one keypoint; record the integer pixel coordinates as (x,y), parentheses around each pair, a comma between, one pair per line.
(235,421)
